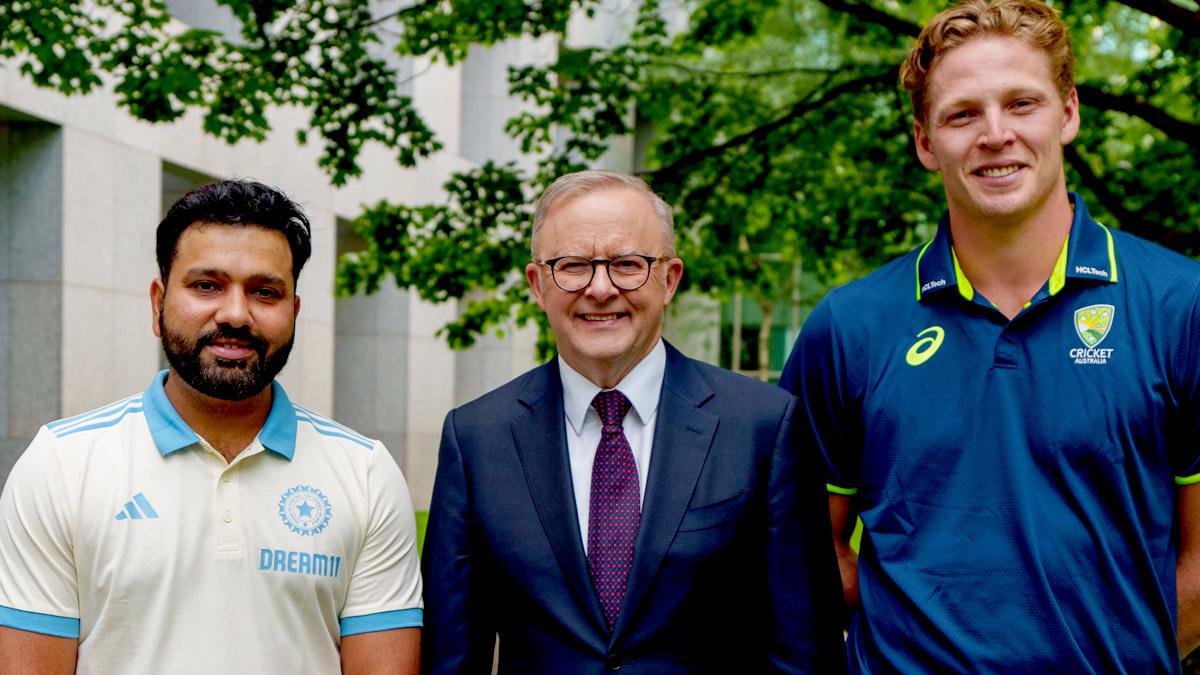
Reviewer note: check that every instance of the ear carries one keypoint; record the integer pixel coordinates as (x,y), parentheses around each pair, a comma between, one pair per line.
(1070,126)
(533,274)
(296,307)
(157,293)
(674,276)
(924,146)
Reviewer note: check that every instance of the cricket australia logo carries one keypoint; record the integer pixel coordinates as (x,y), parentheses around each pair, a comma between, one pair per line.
(1092,324)
(305,510)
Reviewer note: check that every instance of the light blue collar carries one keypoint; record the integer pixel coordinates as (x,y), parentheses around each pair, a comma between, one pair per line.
(172,434)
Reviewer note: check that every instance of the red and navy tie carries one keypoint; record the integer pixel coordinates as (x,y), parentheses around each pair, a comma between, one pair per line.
(614,511)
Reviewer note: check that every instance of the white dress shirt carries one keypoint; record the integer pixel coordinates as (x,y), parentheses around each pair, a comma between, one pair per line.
(642,387)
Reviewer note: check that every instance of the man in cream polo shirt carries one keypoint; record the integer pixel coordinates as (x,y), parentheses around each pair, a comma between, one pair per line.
(209,524)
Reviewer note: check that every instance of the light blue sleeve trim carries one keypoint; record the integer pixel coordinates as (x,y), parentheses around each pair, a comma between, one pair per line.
(373,623)
(34,622)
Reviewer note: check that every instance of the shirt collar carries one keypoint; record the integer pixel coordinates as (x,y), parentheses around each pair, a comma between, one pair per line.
(172,434)
(642,386)
(1088,254)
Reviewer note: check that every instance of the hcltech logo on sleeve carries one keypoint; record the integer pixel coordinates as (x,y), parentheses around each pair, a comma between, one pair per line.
(1092,324)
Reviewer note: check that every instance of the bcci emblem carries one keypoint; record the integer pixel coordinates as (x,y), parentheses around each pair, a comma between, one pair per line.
(1092,324)
(305,510)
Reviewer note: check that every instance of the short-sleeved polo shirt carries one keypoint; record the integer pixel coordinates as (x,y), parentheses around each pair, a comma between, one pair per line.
(123,528)
(1015,479)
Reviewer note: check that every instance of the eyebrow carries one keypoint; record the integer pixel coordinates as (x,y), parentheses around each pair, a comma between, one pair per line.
(216,272)
(1014,92)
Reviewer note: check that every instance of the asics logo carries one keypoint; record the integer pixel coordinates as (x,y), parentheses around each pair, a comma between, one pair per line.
(924,348)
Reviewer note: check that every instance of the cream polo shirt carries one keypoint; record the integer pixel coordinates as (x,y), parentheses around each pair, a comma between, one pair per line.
(123,528)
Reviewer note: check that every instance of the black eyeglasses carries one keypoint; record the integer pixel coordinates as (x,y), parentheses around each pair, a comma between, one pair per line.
(573,273)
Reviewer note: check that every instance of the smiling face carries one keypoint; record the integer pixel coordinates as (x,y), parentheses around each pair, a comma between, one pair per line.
(995,128)
(227,311)
(602,331)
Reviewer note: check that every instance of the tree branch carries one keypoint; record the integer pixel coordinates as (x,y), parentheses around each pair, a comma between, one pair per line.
(801,108)
(873,15)
(1180,17)
(1189,132)
(1147,228)
(695,70)
(1186,20)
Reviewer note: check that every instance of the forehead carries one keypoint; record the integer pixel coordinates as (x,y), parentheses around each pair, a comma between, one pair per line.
(604,221)
(233,249)
(988,64)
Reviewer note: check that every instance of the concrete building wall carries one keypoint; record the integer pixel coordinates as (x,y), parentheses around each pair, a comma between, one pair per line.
(82,187)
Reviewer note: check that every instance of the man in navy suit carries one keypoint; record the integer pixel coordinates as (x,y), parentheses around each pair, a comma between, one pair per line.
(624,507)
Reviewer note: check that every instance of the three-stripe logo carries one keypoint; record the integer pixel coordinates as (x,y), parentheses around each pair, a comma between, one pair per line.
(137,509)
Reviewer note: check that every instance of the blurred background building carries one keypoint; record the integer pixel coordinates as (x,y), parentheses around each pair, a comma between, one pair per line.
(83,185)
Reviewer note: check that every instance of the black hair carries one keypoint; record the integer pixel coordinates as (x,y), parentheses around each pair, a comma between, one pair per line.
(235,202)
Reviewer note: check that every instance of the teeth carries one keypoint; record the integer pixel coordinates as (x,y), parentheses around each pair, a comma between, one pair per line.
(598,317)
(999,171)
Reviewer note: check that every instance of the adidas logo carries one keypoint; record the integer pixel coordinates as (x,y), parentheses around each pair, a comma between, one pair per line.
(136,509)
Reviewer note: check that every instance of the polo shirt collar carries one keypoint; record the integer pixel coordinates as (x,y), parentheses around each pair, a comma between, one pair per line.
(642,386)
(1087,254)
(172,434)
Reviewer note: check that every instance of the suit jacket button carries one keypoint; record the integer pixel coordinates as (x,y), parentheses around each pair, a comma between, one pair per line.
(613,662)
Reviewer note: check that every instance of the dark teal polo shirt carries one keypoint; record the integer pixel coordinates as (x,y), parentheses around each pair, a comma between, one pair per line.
(1017,480)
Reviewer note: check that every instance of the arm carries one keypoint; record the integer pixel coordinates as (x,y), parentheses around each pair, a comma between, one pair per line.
(28,653)
(392,652)
(802,587)
(39,614)
(459,635)
(381,620)
(842,517)
(1187,569)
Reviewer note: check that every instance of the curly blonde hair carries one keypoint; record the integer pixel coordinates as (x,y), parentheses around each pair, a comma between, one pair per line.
(1030,20)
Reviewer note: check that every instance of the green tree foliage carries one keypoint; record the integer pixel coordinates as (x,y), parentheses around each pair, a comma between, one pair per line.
(776,128)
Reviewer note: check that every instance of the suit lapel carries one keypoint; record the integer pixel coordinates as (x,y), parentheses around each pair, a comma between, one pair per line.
(541,443)
(682,437)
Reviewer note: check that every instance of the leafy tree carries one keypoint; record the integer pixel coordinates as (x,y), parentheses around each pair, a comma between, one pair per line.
(776,128)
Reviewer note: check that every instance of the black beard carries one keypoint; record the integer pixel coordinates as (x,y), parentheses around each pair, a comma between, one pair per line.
(225,379)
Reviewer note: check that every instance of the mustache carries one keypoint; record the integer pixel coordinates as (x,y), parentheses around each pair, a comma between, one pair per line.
(233,333)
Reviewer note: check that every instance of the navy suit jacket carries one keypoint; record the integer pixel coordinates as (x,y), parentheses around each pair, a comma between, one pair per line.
(733,570)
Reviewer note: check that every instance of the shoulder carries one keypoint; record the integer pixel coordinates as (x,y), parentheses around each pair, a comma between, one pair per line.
(313,427)
(726,383)
(850,313)
(1140,259)
(99,420)
(893,283)
(505,400)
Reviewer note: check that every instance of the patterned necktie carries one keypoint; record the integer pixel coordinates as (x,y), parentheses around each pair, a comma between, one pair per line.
(614,511)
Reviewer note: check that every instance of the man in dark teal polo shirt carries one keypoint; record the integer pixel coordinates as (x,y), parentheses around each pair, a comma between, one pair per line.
(1013,409)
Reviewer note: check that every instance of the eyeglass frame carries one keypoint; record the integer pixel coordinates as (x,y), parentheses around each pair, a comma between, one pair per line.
(650,260)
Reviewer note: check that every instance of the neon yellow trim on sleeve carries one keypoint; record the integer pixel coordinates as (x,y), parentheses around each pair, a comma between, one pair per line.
(965,288)
(1112,254)
(922,253)
(849,492)
(1187,480)
(1058,278)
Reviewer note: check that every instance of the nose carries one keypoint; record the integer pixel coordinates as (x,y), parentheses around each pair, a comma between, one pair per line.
(601,287)
(234,309)
(997,132)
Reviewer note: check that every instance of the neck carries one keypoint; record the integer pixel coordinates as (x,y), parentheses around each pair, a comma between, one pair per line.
(228,426)
(608,374)
(1009,261)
